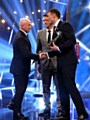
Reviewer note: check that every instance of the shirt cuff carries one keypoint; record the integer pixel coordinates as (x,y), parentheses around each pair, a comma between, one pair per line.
(59,49)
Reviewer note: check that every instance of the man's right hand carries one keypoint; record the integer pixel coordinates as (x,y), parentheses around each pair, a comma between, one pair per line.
(43,55)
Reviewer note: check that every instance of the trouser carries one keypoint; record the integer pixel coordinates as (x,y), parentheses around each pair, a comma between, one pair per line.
(46,80)
(67,86)
(20,88)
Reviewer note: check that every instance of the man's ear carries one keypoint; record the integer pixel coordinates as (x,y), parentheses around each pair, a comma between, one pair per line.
(54,15)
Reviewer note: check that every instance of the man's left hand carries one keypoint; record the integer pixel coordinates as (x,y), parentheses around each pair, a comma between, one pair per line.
(54,47)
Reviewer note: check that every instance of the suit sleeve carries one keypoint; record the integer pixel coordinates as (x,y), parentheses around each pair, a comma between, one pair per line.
(24,48)
(39,45)
(69,37)
(67,41)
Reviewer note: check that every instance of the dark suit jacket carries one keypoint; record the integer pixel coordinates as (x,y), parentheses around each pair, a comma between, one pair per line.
(22,55)
(66,45)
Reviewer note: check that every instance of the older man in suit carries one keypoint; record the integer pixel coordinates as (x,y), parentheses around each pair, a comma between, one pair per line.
(66,66)
(20,65)
(48,66)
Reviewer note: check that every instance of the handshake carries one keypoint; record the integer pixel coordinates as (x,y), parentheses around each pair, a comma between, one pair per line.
(43,55)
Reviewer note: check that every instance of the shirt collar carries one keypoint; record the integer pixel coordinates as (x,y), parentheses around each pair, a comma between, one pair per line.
(49,29)
(23,32)
(56,24)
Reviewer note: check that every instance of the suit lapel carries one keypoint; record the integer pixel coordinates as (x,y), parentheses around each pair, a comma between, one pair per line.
(44,32)
(29,43)
(59,26)
(44,35)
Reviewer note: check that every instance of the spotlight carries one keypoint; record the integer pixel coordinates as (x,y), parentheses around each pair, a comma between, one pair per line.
(21,1)
(3,21)
(39,10)
(44,11)
(38,19)
(8,28)
(15,12)
(32,12)
(61,16)
(58,1)
(27,16)
(44,1)
(13,25)
(33,24)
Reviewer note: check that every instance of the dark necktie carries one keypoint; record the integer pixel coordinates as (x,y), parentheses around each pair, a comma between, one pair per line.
(54,32)
(27,36)
(54,28)
(49,36)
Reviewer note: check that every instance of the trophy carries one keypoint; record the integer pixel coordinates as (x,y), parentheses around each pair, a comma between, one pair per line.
(59,34)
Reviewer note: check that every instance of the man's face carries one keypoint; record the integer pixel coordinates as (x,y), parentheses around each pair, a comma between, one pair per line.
(46,22)
(27,26)
(50,17)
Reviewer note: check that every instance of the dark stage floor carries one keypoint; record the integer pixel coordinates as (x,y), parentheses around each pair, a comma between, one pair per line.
(32,104)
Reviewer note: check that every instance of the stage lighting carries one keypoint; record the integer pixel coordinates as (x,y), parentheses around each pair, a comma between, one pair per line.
(8,28)
(27,16)
(33,24)
(32,12)
(21,1)
(44,1)
(58,1)
(15,12)
(3,21)
(44,11)
(39,10)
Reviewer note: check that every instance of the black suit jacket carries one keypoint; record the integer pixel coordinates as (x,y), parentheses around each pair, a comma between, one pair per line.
(66,43)
(22,55)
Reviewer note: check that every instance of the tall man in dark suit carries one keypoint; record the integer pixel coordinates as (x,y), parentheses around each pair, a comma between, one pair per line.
(48,66)
(20,65)
(66,66)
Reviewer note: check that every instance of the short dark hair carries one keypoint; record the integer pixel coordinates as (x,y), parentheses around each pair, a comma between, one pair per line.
(56,11)
(45,15)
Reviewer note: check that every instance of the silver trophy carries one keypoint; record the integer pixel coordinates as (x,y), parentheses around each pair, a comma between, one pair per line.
(59,34)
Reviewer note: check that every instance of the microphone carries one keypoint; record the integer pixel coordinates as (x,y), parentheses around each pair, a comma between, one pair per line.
(59,34)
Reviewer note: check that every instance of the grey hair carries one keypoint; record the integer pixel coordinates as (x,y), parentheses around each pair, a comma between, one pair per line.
(22,21)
